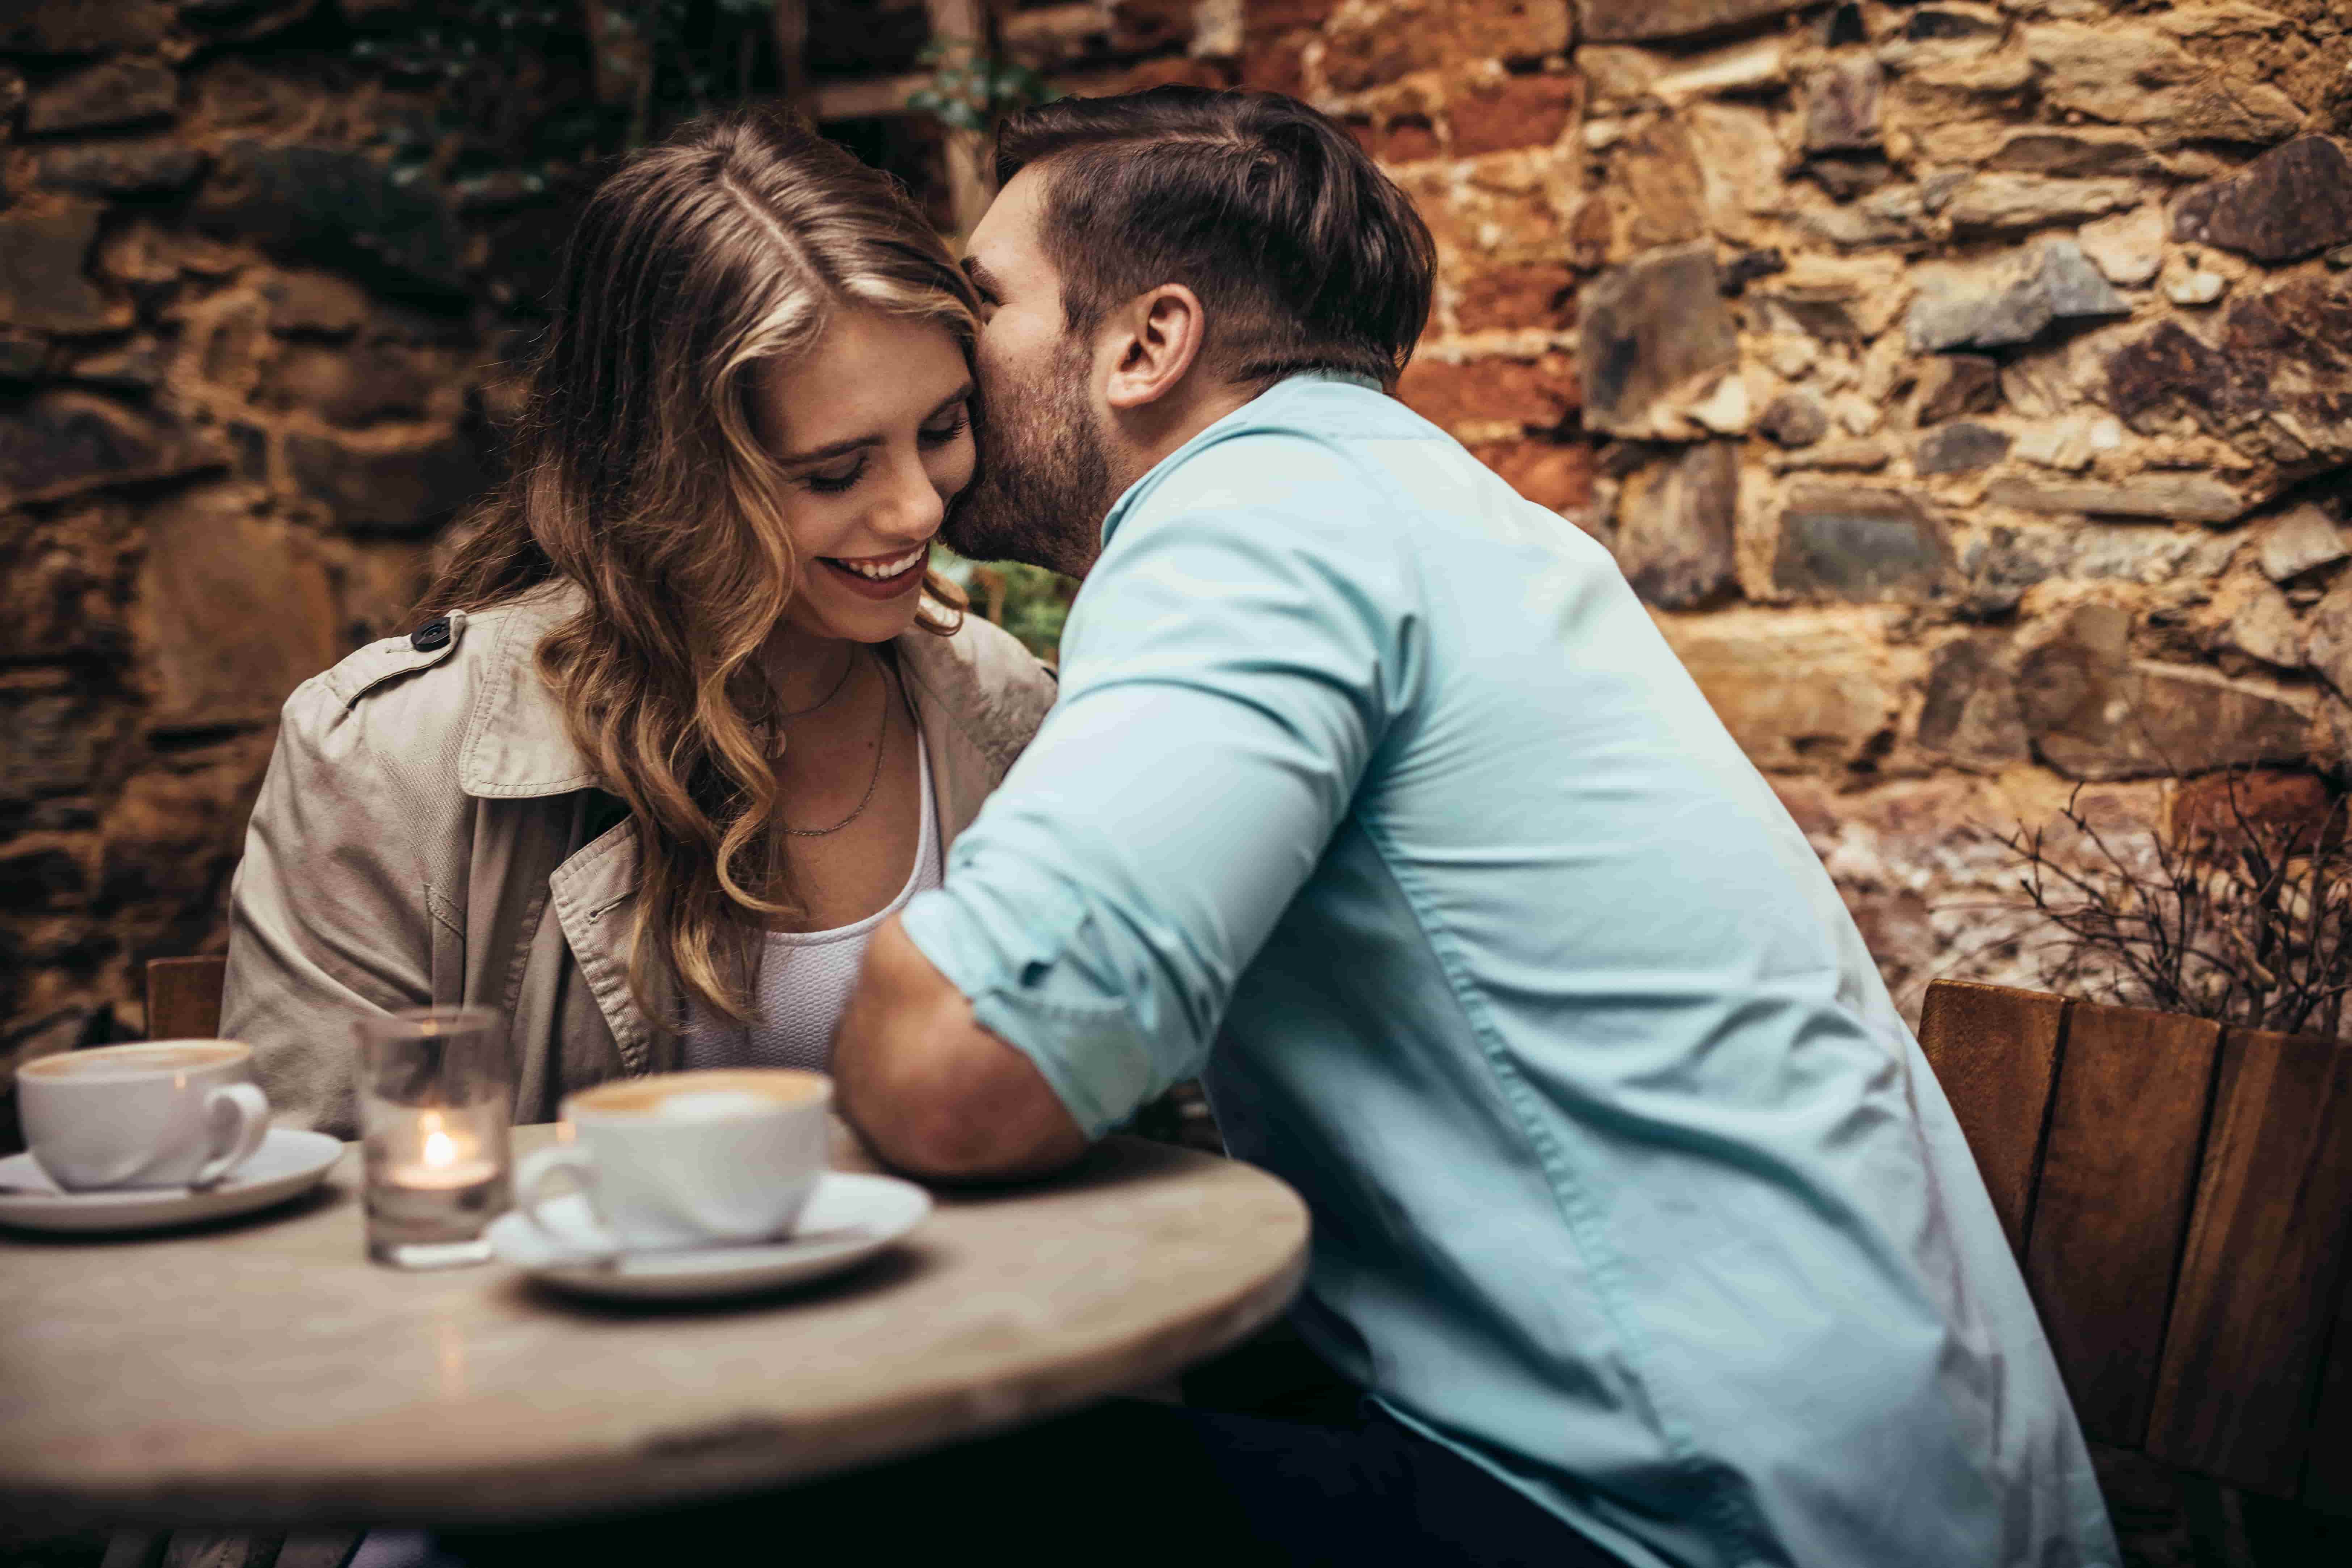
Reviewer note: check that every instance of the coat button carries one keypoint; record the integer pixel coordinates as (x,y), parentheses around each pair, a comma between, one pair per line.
(433,634)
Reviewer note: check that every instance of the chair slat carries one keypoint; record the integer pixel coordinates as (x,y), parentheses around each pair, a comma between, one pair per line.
(218,1549)
(183,997)
(1995,1051)
(2111,1210)
(2327,1472)
(134,1549)
(320,1549)
(2260,1276)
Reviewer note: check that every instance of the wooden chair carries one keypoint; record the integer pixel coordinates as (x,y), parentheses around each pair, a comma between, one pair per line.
(2179,1197)
(218,1549)
(183,997)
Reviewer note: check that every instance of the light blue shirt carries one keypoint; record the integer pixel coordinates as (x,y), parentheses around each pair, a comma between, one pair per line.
(1374,796)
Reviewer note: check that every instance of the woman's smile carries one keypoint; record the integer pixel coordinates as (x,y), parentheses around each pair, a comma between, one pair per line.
(881,576)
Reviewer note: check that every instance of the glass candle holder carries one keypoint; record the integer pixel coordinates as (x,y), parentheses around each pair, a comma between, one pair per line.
(434,1087)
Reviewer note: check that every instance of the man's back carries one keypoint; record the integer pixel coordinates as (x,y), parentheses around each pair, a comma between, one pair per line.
(1627,1179)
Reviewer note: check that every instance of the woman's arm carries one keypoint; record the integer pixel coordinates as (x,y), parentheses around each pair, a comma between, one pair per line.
(329,916)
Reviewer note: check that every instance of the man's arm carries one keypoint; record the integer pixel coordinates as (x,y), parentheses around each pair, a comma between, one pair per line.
(935,1094)
(1231,664)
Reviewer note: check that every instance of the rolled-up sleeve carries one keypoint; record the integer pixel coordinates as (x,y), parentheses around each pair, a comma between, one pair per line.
(1228,673)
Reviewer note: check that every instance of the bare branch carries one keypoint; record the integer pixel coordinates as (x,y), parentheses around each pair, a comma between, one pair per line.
(2247,920)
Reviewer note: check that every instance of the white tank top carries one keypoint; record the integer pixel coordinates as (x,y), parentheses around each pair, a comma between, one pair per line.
(805,977)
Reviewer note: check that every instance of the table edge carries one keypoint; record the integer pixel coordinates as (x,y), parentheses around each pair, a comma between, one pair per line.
(739,1455)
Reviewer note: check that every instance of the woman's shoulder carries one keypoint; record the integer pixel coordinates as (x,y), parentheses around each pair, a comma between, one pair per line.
(415,701)
(985,679)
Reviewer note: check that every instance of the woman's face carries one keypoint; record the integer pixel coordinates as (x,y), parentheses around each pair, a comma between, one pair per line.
(873,427)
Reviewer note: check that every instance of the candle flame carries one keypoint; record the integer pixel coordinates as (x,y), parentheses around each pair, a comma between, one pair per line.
(440,1150)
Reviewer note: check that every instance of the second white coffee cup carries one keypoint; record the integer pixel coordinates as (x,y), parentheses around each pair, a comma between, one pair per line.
(688,1158)
(161,1113)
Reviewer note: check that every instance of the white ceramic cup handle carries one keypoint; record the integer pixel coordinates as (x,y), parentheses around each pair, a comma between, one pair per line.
(539,1171)
(248,1124)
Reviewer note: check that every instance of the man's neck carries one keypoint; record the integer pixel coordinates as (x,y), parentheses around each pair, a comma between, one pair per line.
(1151,439)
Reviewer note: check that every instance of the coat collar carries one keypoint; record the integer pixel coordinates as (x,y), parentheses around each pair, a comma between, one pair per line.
(517,745)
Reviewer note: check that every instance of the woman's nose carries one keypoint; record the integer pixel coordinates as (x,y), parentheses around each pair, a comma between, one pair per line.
(915,506)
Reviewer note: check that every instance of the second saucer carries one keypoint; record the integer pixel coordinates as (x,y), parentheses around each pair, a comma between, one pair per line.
(849,1218)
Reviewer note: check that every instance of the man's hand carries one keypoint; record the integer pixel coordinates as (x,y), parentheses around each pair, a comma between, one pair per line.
(932,1092)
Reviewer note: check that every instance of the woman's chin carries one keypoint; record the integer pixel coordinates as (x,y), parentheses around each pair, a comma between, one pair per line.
(826,615)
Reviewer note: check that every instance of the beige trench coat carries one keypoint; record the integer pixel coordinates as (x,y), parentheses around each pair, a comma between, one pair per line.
(428,835)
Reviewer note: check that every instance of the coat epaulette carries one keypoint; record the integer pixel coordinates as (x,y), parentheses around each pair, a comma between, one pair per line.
(389,657)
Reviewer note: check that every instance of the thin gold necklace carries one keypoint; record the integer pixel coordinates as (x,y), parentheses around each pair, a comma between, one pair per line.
(848,663)
(881,739)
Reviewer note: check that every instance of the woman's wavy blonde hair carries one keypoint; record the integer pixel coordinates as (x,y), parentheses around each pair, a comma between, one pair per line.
(636,476)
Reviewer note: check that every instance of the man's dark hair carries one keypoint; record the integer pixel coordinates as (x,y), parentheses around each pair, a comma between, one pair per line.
(1304,254)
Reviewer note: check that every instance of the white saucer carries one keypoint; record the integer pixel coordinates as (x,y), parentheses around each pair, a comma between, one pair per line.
(288,1162)
(849,1218)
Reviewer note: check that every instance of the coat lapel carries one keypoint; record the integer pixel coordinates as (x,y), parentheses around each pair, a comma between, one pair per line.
(594,896)
(518,747)
(962,775)
(971,745)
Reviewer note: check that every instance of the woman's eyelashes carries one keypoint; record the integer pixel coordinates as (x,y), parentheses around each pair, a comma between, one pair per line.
(835,481)
(940,435)
(833,484)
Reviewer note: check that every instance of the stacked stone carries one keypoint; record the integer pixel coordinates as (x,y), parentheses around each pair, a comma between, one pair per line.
(1967,387)
(242,366)
(1120,46)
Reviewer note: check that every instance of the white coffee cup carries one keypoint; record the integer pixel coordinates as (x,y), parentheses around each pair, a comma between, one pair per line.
(688,1158)
(161,1113)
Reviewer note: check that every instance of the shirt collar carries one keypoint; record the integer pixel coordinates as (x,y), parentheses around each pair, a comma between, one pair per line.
(1216,431)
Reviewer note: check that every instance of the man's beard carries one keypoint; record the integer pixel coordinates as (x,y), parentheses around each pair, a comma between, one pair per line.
(1043,481)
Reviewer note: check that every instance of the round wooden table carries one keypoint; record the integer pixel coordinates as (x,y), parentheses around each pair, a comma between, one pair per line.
(262,1372)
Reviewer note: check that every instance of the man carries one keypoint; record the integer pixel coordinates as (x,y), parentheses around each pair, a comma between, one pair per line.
(1374,796)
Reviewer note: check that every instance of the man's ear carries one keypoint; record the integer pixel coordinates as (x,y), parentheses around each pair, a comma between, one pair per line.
(1162,332)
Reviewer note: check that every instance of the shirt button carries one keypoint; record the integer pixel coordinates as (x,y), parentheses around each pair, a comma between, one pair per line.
(433,634)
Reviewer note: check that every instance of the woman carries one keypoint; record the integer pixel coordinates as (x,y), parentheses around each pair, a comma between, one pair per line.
(691,714)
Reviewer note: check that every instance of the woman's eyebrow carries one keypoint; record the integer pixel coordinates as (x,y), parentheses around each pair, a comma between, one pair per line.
(843,448)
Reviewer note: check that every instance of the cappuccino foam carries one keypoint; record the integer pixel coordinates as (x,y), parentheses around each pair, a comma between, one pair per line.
(708,1095)
(136,1061)
(698,1104)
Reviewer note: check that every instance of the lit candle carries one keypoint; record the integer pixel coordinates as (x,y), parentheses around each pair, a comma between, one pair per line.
(447,1157)
(433,1110)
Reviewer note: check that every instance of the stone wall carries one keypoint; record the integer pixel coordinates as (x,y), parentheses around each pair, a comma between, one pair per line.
(243,372)
(1966,385)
